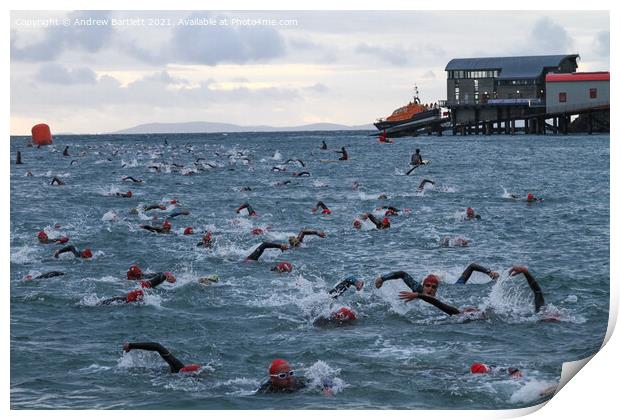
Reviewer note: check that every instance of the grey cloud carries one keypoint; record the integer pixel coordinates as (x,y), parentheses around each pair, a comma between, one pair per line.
(394,56)
(58,74)
(318,88)
(601,43)
(549,37)
(60,38)
(429,75)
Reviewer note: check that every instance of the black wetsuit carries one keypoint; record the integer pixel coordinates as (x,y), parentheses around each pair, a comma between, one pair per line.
(376,222)
(18,159)
(321,206)
(268,387)
(151,280)
(342,287)
(175,364)
(345,155)
(409,281)
(255,255)
(130,178)
(48,275)
(469,271)
(154,229)
(68,248)
(416,159)
(539,300)
(295,160)
(248,207)
(323,146)
(152,207)
(177,213)
(450,310)
(302,173)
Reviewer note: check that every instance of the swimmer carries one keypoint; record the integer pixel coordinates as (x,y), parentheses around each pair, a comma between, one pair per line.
(296,160)
(128,194)
(87,253)
(424,182)
(57,181)
(447,241)
(47,275)
(73,161)
(18,158)
(176,366)
(478,368)
(282,379)
(188,231)
(243,189)
(213,278)
(302,173)
(154,206)
(342,286)
(278,169)
(389,210)
(323,145)
(416,160)
(149,280)
(355,185)
(531,199)
(256,254)
(283,267)
(178,213)
(323,207)
(383,224)
(343,152)
(282,183)
(249,208)
(29,173)
(44,239)
(382,197)
(66,151)
(341,317)
(132,179)
(165,227)
(471,215)
(539,300)
(207,240)
(133,296)
(295,241)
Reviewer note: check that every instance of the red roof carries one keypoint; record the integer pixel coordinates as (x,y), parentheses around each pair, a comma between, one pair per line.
(578,77)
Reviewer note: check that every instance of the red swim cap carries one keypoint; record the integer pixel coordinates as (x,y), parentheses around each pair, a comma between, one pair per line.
(276,364)
(42,235)
(326,211)
(386,221)
(134,273)
(129,194)
(390,212)
(431,279)
(344,314)
(530,196)
(63,239)
(145,284)
(357,224)
(188,231)
(173,201)
(28,277)
(190,368)
(166,225)
(170,277)
(284,267)
(479,368)
(253,213)
(134,296)
(470,212)
(257,231)
(87,253)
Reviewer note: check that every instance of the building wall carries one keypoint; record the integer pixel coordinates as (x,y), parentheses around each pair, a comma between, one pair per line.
(577,95)
(510,92)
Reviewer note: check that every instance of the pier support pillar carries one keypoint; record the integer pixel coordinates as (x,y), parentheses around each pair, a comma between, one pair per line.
(590,123)
(526,125)
(512,126)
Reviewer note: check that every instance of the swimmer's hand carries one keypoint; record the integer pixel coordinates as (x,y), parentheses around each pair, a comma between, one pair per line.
(126,347)
(321,234)
(283,247)
(379,282)
(359,285)
(517,269)
(408,296)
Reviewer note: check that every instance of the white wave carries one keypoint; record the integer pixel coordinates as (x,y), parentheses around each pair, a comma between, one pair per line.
(532,391)
(320,374)
(277,156)
(110,216)
(24,254)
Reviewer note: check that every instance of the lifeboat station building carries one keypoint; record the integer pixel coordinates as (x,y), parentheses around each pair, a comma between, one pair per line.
(484,93)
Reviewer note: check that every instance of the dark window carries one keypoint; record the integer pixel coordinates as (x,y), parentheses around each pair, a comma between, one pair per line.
(562,97)
(593,93)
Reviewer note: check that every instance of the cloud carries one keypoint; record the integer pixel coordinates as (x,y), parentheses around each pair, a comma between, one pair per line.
(60,75)
(430,74)
(395,56)
(61,38)
(548,37)
(318,88)
(601,43)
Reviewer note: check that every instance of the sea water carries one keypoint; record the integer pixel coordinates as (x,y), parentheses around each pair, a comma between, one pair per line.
(66,351)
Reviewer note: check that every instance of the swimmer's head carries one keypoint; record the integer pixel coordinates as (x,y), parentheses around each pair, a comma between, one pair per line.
(173,201)
(385,222)
(257,231)
(430,285)
(63,239)
(344,314)
(166,225)
(170,277)
(134,296)
(280,374)
(188,231)
(479,368)
(417,150)
(190,368)
(207,237)
(326,211)
(530,196)
(129,194)
(283,267)
(42,236)
(294,240)
(87,253)
(514,372)
(357,224)
(134,273)
(470,213)
(382,197)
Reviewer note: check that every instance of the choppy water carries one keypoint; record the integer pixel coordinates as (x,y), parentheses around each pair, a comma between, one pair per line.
(66,351)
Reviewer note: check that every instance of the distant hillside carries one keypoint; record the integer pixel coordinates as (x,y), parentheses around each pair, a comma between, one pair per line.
(214,127)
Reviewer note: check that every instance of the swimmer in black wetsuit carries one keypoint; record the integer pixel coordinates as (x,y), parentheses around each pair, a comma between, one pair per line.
(207,240)
(342,286)
(256,254)
(424,182)
(247,206)
(344,315)
(416,160)
(165,227)
(323,207)
(152,280)
(47,275)
(282,183)
(539,300)
(154,206)
(133,296)
(175,364)
(178,213)
(323,145)
(66,151)
(302,173)
(282,379)
(128,194)
(18,158)
(471,215)
(57,181)
(343,152)
(132,179)
(383,224)
(389,210)
(87,253)
(447,241)
(295,160)
(295,241)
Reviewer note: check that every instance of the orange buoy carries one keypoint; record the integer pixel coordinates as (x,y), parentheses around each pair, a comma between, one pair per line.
(41,135)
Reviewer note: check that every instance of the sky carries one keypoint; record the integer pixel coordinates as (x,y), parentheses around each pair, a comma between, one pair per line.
(124,68)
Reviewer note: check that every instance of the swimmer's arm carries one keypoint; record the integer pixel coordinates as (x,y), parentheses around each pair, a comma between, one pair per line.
(309,232)
(151,228)
(539,300)
(154,206)
(321,205)
(173,362)
(243,206)
(50,274)
(476,267)
(68,248)
(178,213)
(262,247)
(373,219)
(342,287)
(409,296)
(409,281)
